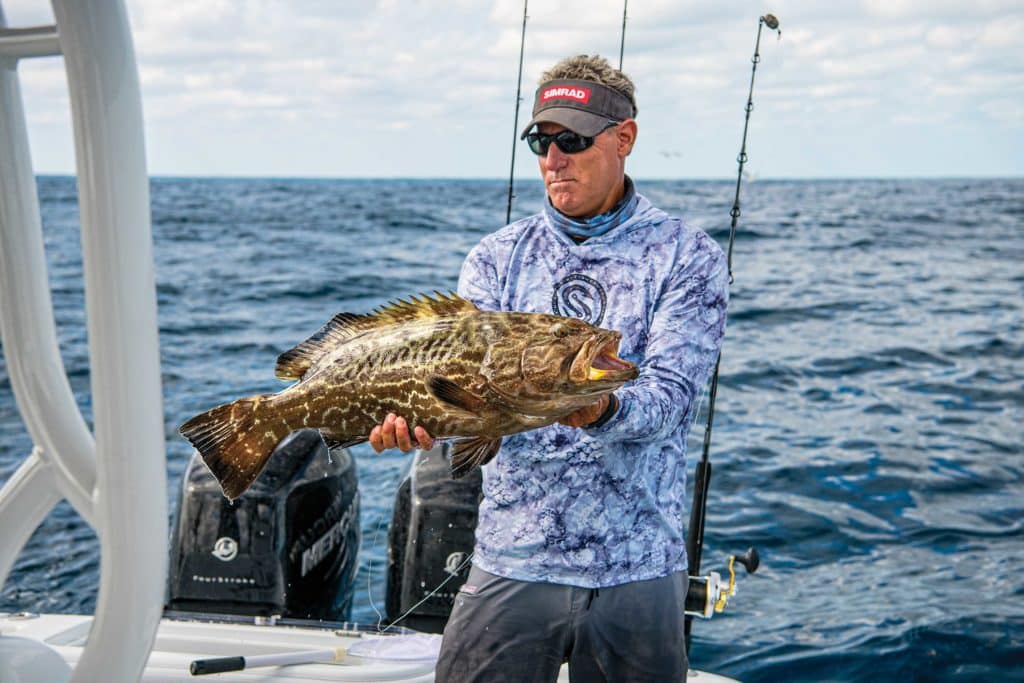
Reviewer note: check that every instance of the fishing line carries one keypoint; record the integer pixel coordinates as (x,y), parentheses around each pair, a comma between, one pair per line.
(370,567)
(369,574)
(454,573)
(432,593)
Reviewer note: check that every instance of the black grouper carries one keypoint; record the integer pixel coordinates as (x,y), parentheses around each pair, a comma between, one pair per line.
(439,362)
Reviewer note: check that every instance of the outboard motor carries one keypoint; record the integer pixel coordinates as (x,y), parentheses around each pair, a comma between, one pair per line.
(431,536)
(286,547)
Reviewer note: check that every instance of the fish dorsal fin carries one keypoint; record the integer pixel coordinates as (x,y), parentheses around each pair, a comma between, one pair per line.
(424,307)
(295,363)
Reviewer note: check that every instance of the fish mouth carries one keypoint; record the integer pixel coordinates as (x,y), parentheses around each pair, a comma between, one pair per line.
(607,362)
(599,362)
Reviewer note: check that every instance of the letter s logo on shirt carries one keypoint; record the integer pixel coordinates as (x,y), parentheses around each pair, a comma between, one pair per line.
(579,296)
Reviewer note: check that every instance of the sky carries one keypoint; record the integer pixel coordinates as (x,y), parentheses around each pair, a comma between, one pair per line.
(397,88)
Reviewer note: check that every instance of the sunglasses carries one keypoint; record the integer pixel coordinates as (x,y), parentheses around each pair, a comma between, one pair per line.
(568,141)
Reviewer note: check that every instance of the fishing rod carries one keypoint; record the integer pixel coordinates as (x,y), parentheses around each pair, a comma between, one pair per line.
(622,40)
(519,99)
(695,537)
(515,125)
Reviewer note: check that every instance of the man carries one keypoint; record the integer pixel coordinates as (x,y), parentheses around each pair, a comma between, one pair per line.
(580,549)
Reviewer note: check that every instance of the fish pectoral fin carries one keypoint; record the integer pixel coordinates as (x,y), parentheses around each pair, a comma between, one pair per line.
(333,441)
(470,453)
(449,392)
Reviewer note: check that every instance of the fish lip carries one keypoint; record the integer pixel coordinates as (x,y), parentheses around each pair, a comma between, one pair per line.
(604,346)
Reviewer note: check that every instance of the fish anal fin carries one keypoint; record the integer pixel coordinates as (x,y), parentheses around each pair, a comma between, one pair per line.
(295,363)
(470,453)
(447,391)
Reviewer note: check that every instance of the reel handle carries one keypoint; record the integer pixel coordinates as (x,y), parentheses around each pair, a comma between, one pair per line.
(750,560)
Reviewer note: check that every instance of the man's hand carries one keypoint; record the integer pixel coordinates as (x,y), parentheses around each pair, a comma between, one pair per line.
(394,433)
(586,415)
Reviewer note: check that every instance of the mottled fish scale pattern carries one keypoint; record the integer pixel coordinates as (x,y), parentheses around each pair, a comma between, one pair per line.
(386,372)
(603,506)
(438,362)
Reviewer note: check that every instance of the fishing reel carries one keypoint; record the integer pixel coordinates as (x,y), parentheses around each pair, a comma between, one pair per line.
(707,595)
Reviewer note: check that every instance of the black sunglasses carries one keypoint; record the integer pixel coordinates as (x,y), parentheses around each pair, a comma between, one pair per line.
(570,142)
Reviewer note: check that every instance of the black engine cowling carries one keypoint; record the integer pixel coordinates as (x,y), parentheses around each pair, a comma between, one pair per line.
(285,547)
(431,536)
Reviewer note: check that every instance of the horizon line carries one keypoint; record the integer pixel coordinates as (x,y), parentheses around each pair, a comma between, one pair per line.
(533,179)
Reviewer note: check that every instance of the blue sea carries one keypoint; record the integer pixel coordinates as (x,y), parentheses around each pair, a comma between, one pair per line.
(868,428)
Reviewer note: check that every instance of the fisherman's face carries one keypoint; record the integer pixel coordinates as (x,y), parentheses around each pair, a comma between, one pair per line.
(587,183)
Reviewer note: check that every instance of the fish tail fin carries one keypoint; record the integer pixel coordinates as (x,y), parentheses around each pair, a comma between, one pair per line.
(233,444)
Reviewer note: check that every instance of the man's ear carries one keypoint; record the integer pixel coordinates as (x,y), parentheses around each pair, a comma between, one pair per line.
(626,133)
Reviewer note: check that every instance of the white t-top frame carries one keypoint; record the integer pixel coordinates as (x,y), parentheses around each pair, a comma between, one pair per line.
(115,476)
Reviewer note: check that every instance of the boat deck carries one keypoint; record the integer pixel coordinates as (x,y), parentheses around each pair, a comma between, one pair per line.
(181,641)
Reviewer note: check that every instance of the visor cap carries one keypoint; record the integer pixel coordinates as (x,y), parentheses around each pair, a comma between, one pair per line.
(584,107)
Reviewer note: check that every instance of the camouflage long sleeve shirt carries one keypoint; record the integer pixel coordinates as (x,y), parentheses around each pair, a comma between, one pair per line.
(602,506)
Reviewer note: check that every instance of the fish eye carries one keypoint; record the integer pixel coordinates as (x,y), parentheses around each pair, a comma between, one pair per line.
(561,330)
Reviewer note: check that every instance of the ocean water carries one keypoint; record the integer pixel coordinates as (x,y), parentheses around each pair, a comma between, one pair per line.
(868,427)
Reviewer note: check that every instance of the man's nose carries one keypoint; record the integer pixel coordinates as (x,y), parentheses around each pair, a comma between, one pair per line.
(555,158)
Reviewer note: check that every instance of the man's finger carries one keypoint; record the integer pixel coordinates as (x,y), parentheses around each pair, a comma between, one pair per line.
(387,431)
(572,419)
(426,443)
(402,435)
(375,440)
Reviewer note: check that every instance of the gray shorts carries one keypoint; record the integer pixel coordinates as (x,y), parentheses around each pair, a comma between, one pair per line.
(507,630)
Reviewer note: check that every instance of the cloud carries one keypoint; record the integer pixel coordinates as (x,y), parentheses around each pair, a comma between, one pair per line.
(939,9)
(401,87)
